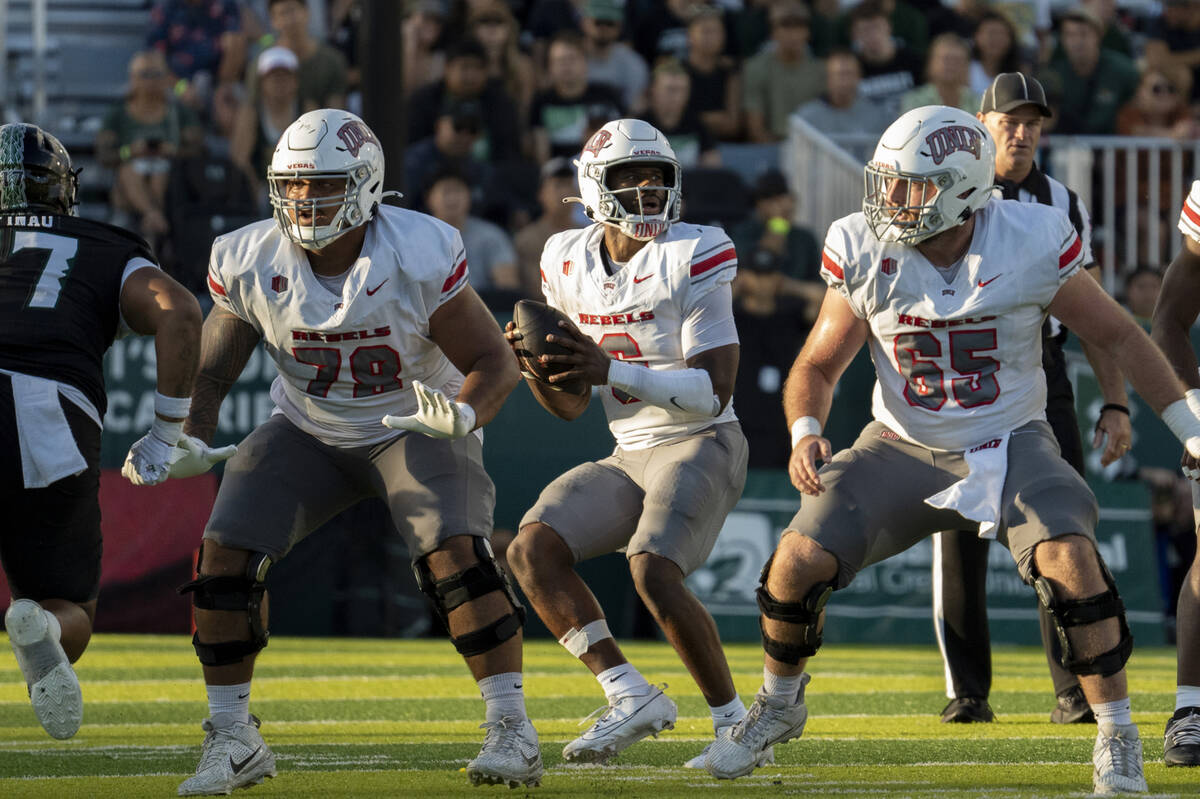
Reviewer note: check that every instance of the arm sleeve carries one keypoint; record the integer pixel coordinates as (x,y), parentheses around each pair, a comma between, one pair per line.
(1070,248)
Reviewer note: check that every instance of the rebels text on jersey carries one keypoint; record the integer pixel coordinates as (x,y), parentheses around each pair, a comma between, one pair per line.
(647,313)
(346,360)
(60,287)
(957,362)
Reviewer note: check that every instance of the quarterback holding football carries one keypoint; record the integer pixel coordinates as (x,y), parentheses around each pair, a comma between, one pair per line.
(646,317)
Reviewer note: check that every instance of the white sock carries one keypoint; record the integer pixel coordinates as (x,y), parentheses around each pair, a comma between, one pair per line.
(1187,696)
(730,713)
(621,680)
(1118,711)
(778,685)
(231,702)
(503,695)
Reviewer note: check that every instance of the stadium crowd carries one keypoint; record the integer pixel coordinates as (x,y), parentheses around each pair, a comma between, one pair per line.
(496,91)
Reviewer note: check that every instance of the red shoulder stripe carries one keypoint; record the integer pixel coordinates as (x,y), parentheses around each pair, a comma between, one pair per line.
(700,267)
(1067,257)
(831,265)
(455,276)
(1190,212)
(215,286)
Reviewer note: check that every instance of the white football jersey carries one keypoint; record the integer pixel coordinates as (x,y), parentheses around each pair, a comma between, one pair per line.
(957,363)
(647,313)
(346,360)
(1189,215)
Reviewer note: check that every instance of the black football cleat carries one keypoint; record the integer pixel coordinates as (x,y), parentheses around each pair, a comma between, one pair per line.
(967,710)
(1181,743)
(1073,708)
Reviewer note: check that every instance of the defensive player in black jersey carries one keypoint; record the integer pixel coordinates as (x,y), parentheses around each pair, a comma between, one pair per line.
(68,287)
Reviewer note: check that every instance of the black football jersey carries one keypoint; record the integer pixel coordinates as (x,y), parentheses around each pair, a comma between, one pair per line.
(60,287)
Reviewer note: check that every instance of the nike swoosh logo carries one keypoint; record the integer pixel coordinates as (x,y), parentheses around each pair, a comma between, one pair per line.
(643,277)
(377,288)
(238,766)
(243,696)
(983,283)
(677,405)
(517,686)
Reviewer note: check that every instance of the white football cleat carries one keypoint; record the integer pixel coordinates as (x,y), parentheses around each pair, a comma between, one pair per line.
(626,720)
(232,757)
(765,759)
(510,755)
(1117,757)
(53,686)
(770,720)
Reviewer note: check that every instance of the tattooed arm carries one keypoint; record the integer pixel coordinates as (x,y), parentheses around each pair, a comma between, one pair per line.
(226,344)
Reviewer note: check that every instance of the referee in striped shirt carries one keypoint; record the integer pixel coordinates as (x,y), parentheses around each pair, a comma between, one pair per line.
(1013,109)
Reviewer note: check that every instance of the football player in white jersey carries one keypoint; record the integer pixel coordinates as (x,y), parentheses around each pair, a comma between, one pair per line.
(366,310)
(1176,312)
(950,287)
(653,330)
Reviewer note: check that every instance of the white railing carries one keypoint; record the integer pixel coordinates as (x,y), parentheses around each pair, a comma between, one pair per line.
(826,177)
(1089,165)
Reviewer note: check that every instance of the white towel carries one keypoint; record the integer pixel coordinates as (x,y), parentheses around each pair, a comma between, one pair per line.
(977,496)
(48,449)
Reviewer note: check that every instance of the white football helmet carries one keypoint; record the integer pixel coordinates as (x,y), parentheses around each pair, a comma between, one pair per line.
(933,167)
(621,142)
(326,144)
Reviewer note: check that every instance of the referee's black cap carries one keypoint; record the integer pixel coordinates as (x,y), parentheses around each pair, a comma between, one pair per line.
(1012,90)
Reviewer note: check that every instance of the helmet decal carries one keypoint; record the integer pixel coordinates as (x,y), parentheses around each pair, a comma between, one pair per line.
(12,167)
(355,134)
(951,139)
(597,142)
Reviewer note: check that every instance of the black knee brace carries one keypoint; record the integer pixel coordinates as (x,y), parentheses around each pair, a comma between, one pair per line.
(471,583)
(1066,613)
(806,613)
(243,592)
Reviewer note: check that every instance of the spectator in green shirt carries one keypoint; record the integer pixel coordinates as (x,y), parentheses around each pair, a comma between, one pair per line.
(781,78)
(1088,84)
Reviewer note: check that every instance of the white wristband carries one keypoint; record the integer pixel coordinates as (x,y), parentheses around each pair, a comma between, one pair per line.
(804,426)
(468,415)
(1183,416)
(172,407)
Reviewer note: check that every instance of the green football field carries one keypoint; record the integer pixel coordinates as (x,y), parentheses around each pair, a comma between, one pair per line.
(399,718)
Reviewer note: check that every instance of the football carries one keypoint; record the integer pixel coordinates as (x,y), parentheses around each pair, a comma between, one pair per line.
(534,320)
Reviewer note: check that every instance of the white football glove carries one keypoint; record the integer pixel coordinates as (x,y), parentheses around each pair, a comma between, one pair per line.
(191,457)
(436,416)
(147,461)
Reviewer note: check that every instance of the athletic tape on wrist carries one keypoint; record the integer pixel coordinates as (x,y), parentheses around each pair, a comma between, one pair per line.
(468,415)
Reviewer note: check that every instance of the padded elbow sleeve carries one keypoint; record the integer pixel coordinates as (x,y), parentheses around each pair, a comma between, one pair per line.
(689,390)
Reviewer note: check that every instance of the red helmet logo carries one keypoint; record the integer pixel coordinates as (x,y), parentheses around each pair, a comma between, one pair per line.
(597,142)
